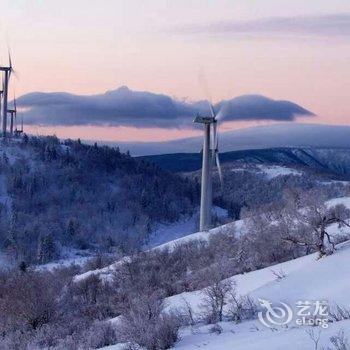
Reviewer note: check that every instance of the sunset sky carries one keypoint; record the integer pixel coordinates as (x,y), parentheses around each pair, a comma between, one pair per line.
(293,50)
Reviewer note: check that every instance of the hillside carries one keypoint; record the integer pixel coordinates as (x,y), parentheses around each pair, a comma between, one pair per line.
(57,196)
(61,200)
(192,292)
(333,161)
(305,279)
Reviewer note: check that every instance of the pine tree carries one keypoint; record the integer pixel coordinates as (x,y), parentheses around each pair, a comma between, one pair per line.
(46,249)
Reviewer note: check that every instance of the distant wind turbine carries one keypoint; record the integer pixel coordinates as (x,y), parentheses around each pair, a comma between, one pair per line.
(1,94)
(13,116)
(7,74)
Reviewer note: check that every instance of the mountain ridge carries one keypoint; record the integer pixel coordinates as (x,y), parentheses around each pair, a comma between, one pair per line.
(278,135)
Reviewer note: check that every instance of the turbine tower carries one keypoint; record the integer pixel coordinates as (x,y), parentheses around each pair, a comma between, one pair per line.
(210,156)
(1,95)
(13,116)
(7,74)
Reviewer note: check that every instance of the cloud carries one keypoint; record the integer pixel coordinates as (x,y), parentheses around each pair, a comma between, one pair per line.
(124,107)
(326,25)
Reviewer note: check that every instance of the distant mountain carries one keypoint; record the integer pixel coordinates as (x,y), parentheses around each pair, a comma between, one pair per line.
(271,136)
(335,161)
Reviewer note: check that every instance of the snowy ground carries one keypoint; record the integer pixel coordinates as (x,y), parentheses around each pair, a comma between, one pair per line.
(68,258)
(165,233)
(182,228)
(254,336)
(237,226)
(277,170)
(303,279)
(306,279)
(270,171)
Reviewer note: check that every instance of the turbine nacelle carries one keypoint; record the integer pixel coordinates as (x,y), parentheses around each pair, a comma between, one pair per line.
(204,120)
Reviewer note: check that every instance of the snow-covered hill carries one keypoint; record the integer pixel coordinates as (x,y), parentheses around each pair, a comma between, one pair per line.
(305,279)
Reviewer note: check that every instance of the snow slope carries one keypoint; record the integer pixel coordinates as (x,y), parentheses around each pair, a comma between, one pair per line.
(254,336)
(236,226)
(305,278)
(272,171)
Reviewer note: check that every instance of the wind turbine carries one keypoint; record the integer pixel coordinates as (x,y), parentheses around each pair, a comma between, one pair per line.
(1,94)
(210,156)
(7,74)
(13,115)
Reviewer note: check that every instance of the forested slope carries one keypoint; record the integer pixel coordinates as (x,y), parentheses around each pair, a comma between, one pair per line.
(75,195)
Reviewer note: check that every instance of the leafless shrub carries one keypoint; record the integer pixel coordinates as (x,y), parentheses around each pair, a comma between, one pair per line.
(279,274)
(216,329)
(339,342)
(313,220)
(186,314)
(29,300)
(338,313)
(99,261)
(315,337)
(92,297)
(100,334)
(145,324)
(16,340)
(241,308)
(215,298)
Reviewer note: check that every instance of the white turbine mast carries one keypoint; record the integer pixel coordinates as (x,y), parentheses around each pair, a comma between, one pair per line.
(1,93)
(6,79)
(210,157)
(13,116)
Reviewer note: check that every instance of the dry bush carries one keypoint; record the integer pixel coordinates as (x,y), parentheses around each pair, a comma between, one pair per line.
(145,324)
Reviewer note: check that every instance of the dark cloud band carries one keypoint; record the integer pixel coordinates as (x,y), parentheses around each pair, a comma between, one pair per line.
(124,107)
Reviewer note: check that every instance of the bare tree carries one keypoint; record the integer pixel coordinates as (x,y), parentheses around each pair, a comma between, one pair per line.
(310,224)
(339,342)
(315,337)
(216,297)
(145,324)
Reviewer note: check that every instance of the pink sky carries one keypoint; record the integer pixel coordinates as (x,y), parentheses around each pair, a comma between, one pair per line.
(88,48)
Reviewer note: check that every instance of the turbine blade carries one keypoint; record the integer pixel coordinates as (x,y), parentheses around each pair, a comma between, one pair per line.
(216,152)
(222,112)
(217,159)
(211,110)
(215,134)
(15,73)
